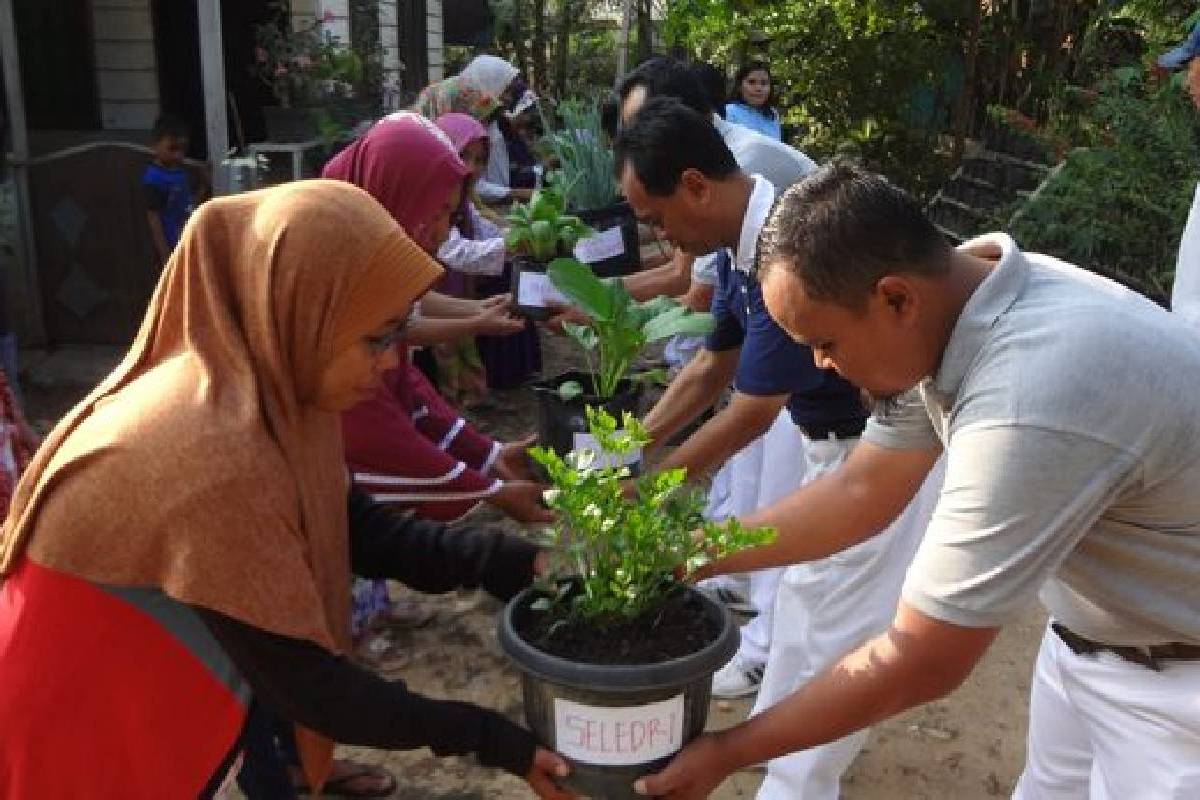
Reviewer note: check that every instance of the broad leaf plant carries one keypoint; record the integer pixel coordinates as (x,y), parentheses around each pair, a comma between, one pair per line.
(620,326)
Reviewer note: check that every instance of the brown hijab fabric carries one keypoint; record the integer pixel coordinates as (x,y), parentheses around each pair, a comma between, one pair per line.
(200,465)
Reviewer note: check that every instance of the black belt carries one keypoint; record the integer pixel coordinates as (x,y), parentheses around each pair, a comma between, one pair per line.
(851,429)
(1148,656)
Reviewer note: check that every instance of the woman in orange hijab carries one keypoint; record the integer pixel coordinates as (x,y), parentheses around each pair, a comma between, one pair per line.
(190,528)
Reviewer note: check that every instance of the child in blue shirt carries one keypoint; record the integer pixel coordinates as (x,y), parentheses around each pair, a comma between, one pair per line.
(170,195)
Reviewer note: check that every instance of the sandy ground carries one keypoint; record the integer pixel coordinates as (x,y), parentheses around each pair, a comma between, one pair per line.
(970,745)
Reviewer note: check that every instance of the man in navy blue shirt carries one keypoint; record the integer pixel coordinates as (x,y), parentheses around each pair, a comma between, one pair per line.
(680,176)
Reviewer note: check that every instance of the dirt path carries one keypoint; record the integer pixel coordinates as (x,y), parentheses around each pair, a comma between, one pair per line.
(970,745)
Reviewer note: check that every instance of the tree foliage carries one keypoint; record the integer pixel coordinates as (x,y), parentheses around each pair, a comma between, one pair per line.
(886,79)
(1118,204)
(563,47)
(876,77)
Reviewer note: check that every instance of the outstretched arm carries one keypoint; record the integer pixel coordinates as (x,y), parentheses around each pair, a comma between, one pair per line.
(836,511)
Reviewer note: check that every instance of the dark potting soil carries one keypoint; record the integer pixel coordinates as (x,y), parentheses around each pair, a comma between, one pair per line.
(677,628)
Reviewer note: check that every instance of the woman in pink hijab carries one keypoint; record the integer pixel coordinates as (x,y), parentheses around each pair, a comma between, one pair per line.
(406,445)
(427,193)
(476,247)
(473,251)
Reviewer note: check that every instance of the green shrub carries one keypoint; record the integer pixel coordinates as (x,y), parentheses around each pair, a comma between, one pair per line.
(622,553)
(1118,205)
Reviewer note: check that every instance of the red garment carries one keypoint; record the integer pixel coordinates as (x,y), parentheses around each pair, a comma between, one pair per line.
(408,447)
(110,692)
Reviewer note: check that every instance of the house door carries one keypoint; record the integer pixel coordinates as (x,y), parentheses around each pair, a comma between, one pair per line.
(177,43)
(58,70)
(177,53)
(414,44)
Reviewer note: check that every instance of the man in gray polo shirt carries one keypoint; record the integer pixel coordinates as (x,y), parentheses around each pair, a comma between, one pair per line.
(1067,406)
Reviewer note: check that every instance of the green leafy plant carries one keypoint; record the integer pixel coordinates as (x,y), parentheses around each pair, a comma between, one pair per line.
(622,553)
(1117,204)
(585,176)
(542,229)
(620,327)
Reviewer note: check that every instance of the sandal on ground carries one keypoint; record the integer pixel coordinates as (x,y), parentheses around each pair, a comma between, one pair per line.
(350,779)
(409,614)
(379,652)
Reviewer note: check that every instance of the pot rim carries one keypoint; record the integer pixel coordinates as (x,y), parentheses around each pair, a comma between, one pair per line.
(619,677)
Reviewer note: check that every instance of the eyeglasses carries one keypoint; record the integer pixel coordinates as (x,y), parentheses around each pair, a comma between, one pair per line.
(378,345)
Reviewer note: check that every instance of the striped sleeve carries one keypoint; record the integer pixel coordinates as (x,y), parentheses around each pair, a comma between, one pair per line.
(396,463)
(443,423)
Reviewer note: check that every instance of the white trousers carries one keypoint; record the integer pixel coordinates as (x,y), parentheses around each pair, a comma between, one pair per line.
(727,496)
(825,609)
(765,471)
(1185,295)
(1101,728)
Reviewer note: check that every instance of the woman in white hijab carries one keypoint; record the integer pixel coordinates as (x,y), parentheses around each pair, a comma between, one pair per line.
(483,89)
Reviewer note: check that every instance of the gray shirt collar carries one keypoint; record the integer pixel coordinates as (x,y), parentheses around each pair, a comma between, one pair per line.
(991,299)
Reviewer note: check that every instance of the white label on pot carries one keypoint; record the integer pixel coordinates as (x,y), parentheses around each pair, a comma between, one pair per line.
(608,244)
(534,289)
(618,736)
(585,441)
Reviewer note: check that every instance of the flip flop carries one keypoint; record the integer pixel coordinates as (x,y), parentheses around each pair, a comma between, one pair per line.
(341,786)
(409,614)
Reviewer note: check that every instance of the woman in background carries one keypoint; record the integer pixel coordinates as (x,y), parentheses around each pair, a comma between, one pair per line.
(753,103)
(484,89)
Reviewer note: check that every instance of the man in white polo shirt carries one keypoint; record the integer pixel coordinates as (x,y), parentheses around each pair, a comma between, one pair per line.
(772,464)
(1067,408)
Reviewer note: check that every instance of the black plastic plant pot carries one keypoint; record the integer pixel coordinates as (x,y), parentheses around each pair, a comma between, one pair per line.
(563,425)
(532,291)
(615,723)
(605,220)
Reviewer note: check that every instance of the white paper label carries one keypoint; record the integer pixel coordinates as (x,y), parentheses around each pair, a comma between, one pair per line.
(585,441)
(534,289)
(618,736)
(605,245)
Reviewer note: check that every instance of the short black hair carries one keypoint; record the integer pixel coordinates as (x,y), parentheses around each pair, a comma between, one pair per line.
(668,77)
(713,81)
(843,228)
(666,138)
(169,125)
(743,73)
